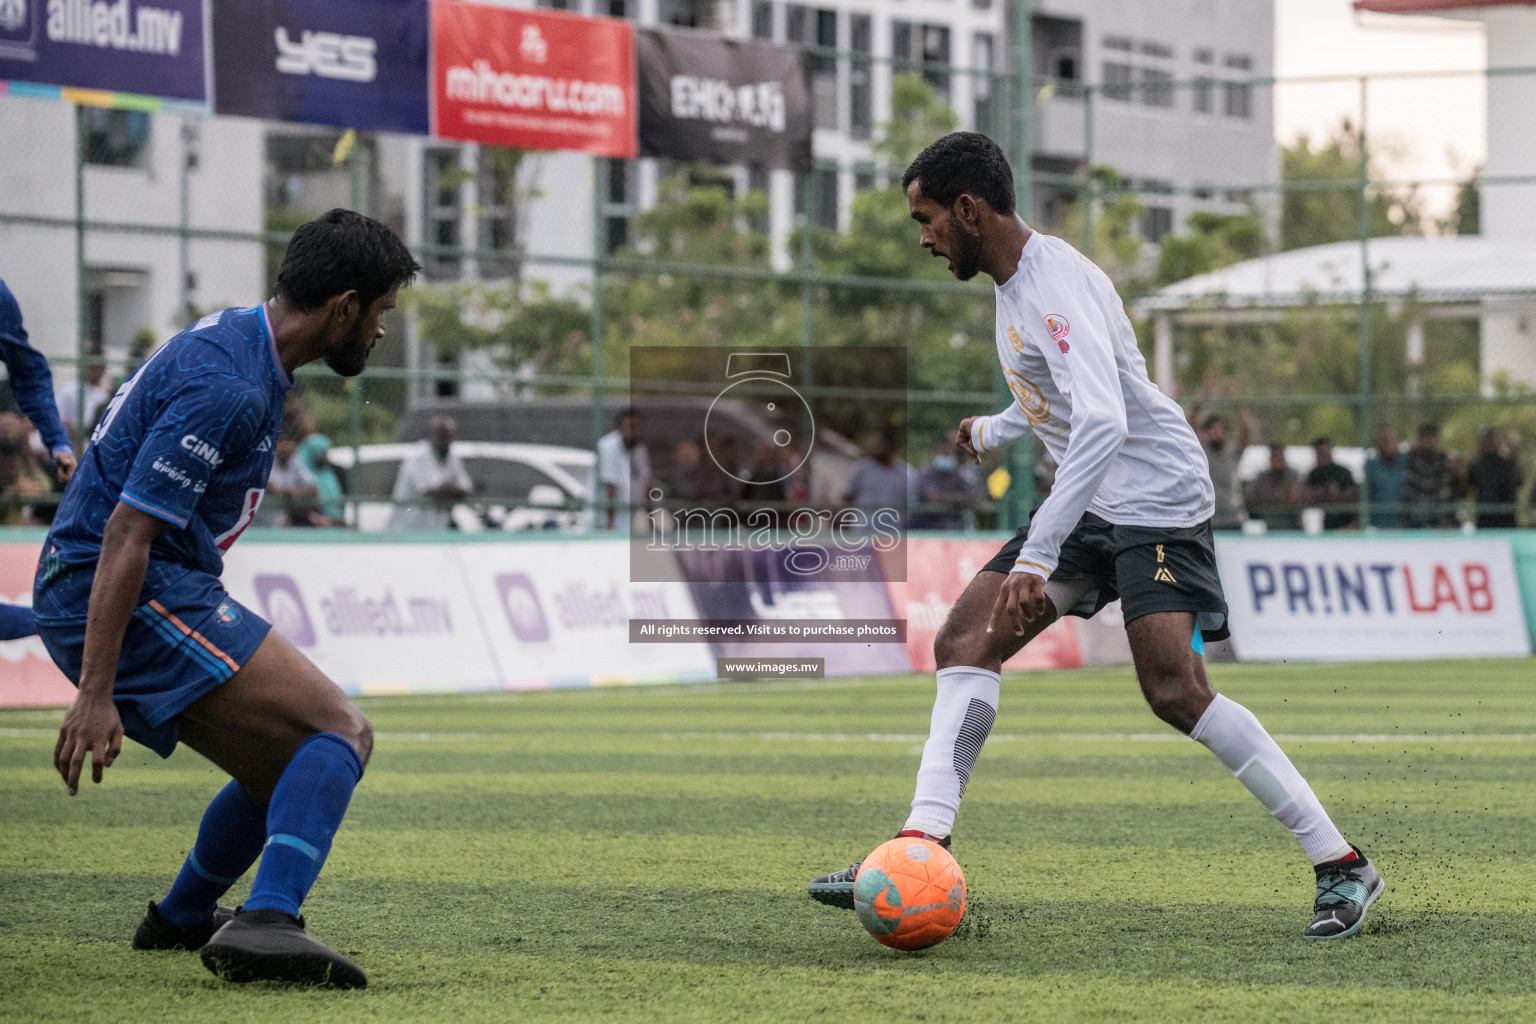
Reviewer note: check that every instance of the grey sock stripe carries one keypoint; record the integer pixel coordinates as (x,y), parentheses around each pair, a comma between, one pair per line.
(973,733)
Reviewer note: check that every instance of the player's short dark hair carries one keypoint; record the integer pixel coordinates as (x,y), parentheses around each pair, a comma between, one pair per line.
(339,252)
(628,412)
(1213,419)
(959,163)
(1429,430)
(1316,441)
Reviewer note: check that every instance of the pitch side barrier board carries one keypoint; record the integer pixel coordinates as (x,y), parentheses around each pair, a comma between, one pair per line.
(1374,598)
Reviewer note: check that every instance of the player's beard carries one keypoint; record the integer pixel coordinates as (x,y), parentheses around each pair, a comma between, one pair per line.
(350,358)
(966,242)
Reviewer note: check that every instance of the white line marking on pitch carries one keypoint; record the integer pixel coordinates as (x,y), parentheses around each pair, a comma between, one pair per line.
(912,737)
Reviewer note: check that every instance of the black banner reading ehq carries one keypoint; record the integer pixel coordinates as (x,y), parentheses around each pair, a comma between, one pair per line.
(723,100)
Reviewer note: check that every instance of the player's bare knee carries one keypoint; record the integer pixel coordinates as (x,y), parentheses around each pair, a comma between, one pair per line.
(959,645)
(362,738)
(1175,697)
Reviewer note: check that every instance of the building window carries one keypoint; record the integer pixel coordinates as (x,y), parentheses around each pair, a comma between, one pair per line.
(443,181)
(863,176)
(982,5)
(116,138)
(823,198)
(1156,88)
(1152,48)
(762,19)
(1238,96)
(915,46)
(1200,93)
(1121,43)
(761,219)
(861,37)
(1156,223)
(811,27)
(498,187)
(1117,81)
(687,13)
(825,210)
(617,8)
(983,61)
(558,5)
(619,203)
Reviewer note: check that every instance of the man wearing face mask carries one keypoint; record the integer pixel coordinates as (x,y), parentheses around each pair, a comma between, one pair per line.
(943,492)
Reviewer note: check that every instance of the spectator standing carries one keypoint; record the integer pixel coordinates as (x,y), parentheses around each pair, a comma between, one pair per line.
(623,469)
(880,479)
(313,453)
(1427,486)
(291,494)
(1275,494)
(1495,478)
(687,461)
(1223,457)
(941,483)
(430,482)
(1332,486)
(763,482)
(1386,475)
(96,398)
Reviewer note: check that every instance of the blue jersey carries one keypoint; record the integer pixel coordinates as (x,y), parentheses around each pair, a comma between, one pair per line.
(189,439)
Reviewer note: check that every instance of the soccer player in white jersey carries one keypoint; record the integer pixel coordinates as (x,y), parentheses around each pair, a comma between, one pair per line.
(1128,518)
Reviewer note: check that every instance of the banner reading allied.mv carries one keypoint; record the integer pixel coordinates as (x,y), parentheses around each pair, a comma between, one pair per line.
(724,100)
(150,48)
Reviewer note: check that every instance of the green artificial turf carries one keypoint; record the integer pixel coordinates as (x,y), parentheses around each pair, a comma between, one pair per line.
(641,855)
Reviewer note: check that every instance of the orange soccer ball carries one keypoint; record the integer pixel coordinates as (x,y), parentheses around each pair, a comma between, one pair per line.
(910,893)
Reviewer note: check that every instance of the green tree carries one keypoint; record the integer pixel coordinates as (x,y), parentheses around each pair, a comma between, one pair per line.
(1215,240)
(1327,206)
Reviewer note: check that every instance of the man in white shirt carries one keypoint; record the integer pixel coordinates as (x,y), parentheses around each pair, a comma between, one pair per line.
(1128,517)
(623,470)
(67,398)
(430,482)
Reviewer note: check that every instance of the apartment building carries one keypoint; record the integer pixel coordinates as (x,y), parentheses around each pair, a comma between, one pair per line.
(161,170)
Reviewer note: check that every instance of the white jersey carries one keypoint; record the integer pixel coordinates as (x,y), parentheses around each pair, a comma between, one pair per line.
(1122,448)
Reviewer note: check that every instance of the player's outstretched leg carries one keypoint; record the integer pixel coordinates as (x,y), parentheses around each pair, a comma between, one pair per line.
(1173,680)
(290,737)
(970,661)
(229,840)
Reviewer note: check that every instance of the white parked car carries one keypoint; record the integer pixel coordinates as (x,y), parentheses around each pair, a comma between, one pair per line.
(517,486)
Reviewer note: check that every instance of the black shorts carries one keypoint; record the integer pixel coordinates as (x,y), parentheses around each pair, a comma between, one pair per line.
(1149,568)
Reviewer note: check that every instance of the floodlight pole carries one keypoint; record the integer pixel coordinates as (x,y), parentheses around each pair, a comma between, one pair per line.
(1365,415)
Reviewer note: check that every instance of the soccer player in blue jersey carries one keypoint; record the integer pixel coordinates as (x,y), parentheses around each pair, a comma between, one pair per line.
(130,606)
(32,384)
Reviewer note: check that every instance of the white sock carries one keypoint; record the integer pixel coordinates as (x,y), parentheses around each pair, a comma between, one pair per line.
(963,713)
(1234,735)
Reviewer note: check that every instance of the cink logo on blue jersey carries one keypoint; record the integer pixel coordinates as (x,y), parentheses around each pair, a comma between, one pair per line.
(203,450)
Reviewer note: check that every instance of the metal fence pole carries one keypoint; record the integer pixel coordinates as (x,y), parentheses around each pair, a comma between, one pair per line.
(1020,500)
(1088,183)
(80,299)
(599,238)
(354,385)
(1366,391)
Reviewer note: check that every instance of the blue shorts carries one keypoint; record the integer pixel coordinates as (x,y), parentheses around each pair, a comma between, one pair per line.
(180,644)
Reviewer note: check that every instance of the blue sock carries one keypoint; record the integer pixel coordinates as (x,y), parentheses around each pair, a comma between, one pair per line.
(307,807)
(228,843)
(16,621)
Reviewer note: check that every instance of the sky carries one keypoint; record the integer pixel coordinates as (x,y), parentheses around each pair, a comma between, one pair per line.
(1431,127)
